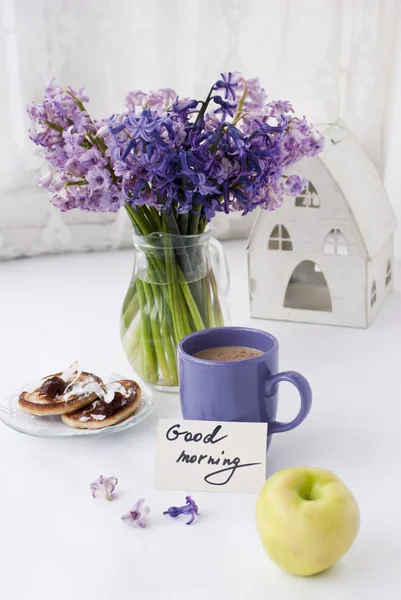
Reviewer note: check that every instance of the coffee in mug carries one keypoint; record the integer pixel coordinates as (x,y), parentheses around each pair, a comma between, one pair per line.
(228,353)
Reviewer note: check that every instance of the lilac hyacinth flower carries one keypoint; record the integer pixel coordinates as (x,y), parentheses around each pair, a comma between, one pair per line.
(278,107)
(295,185)
(138,515)
(161,99)
(92,158)
(104,486)
(45,181)
(190,508)
(72,140)
(256,96)
(111,200)
(135,98)
(98,179)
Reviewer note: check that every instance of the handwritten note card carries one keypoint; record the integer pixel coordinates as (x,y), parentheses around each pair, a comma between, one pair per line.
(211,456)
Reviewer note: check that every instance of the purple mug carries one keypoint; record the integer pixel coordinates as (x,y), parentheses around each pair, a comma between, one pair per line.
(244,390)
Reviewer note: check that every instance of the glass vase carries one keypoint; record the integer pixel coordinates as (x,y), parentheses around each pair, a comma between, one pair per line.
(179,285)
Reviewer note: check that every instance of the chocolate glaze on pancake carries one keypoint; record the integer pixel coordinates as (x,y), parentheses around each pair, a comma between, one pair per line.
(47,400)
(102,413)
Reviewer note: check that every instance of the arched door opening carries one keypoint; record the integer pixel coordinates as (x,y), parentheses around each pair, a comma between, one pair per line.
(307,288)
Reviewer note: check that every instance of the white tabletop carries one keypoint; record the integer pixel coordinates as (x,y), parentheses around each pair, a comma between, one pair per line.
(58,543)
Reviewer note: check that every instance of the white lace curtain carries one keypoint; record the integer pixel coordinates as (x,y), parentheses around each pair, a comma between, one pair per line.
(331,58)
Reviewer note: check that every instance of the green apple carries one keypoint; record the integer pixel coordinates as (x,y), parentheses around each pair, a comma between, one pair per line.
(307,519)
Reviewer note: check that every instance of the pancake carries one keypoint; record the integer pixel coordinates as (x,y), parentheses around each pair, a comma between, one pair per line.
(120,401)
(61,393)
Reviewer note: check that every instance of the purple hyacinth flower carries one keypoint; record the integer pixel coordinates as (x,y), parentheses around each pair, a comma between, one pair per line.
(138,515)
(190,508)
(225,107)
(203,188)
(103,485)
(226,82)
(140,128)
(183,108)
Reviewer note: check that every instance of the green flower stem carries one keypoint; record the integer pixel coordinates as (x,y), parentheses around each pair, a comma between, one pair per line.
(205,104)
(141,361)
(153,218)
(162,294)
(183,224)
(157,333)
(193,309)
(128,296)
(149,358)
(172,358)
(183,314)
(194,221)
(54,126)
(131,341)
(80,182)
(140,220)
(128,324)
(216,301)
(158,272)
(177,309)
(172,295)
(131,310)
(211,322)
(238,115)
(166,331)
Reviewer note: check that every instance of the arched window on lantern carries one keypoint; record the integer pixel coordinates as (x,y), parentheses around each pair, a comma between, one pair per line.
(309,197)
(373,294)
(388,272)
(335,243)
(279,239)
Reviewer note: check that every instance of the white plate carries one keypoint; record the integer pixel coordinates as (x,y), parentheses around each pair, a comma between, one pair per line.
(53,427)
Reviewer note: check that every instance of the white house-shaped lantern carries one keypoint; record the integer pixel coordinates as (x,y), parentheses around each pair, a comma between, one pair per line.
(326,256)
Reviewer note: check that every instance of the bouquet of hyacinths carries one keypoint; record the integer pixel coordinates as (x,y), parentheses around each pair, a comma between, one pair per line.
(172,163)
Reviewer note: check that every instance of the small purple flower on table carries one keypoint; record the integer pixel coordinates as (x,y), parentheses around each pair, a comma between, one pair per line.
(104,486)
(138,515)
(190,508)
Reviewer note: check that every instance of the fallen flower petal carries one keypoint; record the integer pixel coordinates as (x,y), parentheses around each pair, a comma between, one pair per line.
(138,515)
(190,508)
(103,485)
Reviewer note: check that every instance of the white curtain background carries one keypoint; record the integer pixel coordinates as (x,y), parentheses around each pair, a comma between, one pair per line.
(331,58)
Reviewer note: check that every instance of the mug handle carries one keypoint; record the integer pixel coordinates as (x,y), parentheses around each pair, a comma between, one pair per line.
(305,393)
